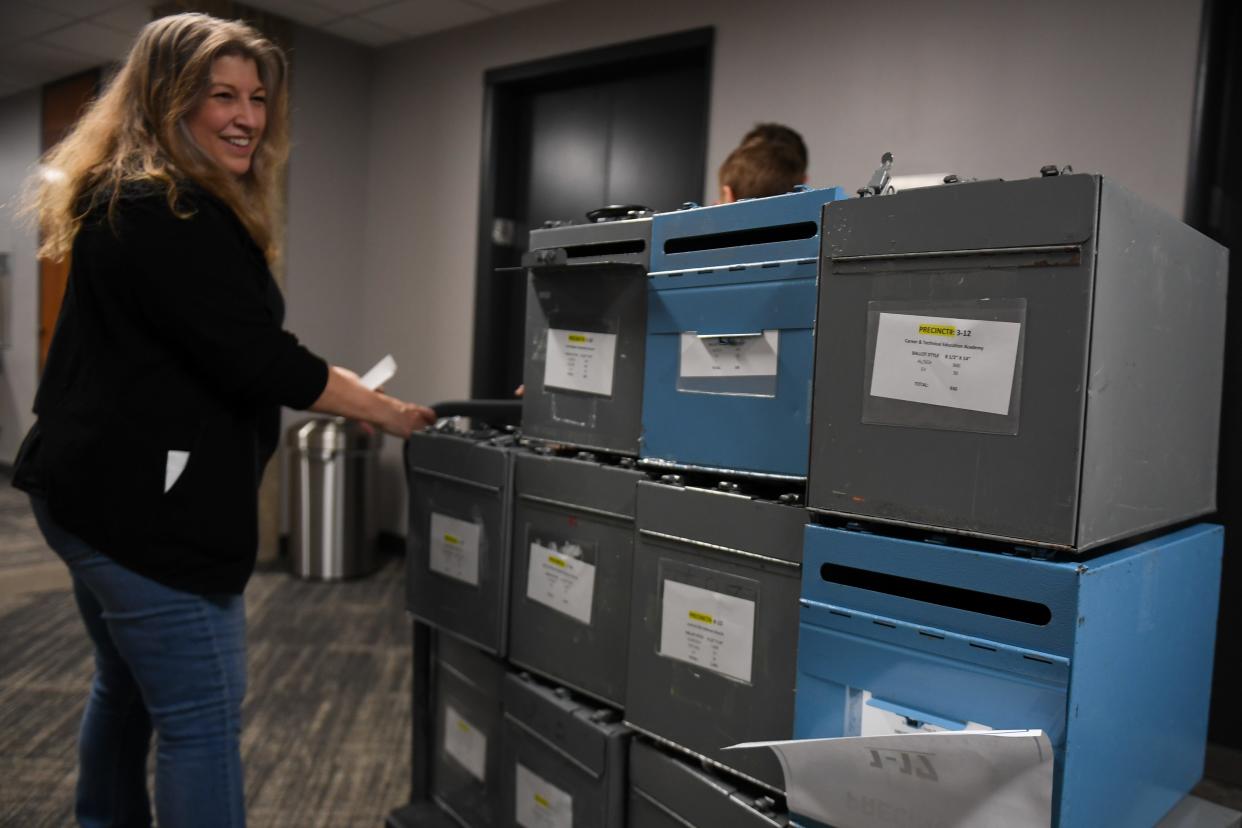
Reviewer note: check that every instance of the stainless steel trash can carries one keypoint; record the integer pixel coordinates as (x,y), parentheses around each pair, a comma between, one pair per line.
(331,485)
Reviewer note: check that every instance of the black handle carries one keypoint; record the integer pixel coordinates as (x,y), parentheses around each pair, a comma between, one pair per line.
(616,211)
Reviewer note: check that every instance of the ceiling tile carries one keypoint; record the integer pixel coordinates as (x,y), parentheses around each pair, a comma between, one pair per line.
(417,17)
(79,8)
(128,18)
(301,11)
(18,20)
(504,6)
(353,6)
(44,63)
(363,31)
(90,39)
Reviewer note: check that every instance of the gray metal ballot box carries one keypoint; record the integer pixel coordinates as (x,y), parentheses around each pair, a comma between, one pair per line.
(467,711)
(670,792)
(457,566)
(714,629)
(563,761)
(1036,362)
(573,550)
(586,329)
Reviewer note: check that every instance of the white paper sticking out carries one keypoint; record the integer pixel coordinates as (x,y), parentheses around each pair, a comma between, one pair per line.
(961,363)
(966,779)
(454,548)
(708,629)
(729,356)
(561,582)
(879,719)
(580,361)
(539,803)
(174,465)
(380,373)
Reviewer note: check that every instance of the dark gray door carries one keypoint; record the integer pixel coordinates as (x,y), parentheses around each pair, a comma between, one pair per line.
(637,140)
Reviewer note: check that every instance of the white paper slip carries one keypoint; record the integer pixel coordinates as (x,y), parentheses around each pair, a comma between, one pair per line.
(539,803)
(465,743)
(561,582)
(880,718)
(454,548)
(580,361)
(708,629)
(960,363)
(965,779)
(730,356)
(174,465)
(380,373)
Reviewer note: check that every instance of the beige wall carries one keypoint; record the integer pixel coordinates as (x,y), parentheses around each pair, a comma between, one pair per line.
(19,152)
(985,88)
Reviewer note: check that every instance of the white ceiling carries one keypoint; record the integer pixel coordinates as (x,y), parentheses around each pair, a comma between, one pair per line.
(43,40)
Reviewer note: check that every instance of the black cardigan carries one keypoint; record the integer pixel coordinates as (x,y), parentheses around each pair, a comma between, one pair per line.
(169,339)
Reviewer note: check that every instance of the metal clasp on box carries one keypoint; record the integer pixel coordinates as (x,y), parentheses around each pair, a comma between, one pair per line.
(729,338)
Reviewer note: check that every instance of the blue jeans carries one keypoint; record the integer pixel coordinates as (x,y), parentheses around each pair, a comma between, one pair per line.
(169,661)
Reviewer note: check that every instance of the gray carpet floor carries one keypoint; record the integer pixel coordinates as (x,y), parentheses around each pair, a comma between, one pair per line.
(326,740)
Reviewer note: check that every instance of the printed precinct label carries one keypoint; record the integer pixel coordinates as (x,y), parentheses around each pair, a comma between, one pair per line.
(465,743)
(455,548)
(730,356)
(708,629)
(960,363)
(540,804)
(580,361)
(560,581)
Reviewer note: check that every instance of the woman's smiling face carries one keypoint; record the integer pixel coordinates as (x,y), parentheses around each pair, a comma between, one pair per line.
(228,123)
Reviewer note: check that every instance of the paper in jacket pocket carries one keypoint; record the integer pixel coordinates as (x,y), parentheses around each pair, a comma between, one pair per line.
(174,465)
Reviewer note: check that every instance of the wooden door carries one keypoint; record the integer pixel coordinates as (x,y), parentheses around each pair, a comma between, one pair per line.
(63,102)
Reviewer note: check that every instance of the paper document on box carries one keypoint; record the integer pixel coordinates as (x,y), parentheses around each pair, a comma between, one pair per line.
(967,779)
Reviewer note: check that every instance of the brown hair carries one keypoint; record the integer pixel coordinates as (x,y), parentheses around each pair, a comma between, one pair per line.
(779,133)
(135,132)
(770,160)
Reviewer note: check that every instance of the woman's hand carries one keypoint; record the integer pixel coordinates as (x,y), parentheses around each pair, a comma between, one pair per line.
(345,396)
(405,418)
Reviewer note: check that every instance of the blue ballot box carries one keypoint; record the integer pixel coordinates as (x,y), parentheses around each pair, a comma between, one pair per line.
(730,335)
(1111,656)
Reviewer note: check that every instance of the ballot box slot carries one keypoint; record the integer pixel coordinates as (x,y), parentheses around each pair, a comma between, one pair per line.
(773,234)
(969,600)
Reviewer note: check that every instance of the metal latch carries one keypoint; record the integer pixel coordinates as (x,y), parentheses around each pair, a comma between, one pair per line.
(1049,170)
(879,179)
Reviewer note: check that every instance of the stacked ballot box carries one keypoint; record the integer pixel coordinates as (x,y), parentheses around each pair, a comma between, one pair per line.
(997,486)
(466,721)
(713,632)
(586,324)
(573,555)
(563,759)
(730,335)
(1110,657)
(1037,362)
(460,511)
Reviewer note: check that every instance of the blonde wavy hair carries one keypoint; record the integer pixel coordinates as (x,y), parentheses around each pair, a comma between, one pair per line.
(135,133)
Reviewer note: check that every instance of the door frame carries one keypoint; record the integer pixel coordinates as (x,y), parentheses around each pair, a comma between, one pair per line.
(501,186)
